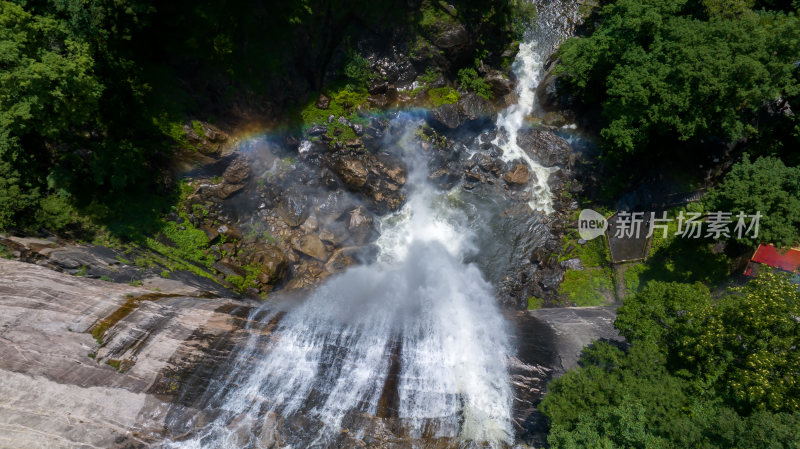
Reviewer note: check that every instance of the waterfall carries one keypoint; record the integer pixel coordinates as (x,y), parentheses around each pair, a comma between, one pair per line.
(555,21)
(411,349)
(418,327)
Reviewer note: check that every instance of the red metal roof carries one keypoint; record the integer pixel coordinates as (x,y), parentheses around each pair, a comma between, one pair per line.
(788,260)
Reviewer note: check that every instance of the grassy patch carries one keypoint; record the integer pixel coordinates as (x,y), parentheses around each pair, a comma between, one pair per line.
(588,287)
(632,277)
(592,285)
(434,16)
(242,283)
(593,253)
(680,259)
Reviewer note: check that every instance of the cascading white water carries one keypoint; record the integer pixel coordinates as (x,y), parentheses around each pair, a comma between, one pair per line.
(419,312)
(555,21)
(415,339)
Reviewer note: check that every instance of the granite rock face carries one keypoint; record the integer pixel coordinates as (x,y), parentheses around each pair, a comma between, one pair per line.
(89,363)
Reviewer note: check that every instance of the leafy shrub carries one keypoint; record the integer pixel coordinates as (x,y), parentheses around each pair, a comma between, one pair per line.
(523,14)
(56,212)
(468,79)
(357,69)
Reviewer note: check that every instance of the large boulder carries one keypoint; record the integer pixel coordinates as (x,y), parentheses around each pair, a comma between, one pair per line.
(310,245)
(501,85)
(453,39)
(361,226)
(519,175)
(551,93)
(378,177)
(448,115)
(546,147)
(473,106)
(293,207)
(272,262)
(351,170)
(237,172)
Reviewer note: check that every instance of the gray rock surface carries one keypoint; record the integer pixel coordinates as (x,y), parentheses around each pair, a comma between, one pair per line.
(54,394)
(574,328)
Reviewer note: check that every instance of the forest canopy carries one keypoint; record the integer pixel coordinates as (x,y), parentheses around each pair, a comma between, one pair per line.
(680,70)
(698,372)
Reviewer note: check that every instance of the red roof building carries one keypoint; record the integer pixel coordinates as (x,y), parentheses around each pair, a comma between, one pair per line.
(786,260)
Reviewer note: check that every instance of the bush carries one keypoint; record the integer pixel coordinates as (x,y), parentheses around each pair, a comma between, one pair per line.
(357,69)
(468,79)
(697,373)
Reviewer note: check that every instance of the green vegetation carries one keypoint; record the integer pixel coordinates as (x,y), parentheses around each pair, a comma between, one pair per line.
(684,259)
(242,283)
(443,95)
(698,373)
(665,72)
(357,70)
(343,103)
(468,79)
(535,303)
(430,75)
(766,186)
(435,15)
(523,14)
(632,277)
(593,285)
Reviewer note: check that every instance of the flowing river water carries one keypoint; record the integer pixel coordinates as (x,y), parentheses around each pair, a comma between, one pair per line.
(409,351)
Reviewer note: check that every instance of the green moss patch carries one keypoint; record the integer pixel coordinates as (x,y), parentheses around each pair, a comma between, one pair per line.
(443,95)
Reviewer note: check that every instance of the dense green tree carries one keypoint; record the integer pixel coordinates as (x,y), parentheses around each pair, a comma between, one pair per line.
(662,312)
(698,373)
(748,348)
(48,92)
(663,71)
(766,186)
